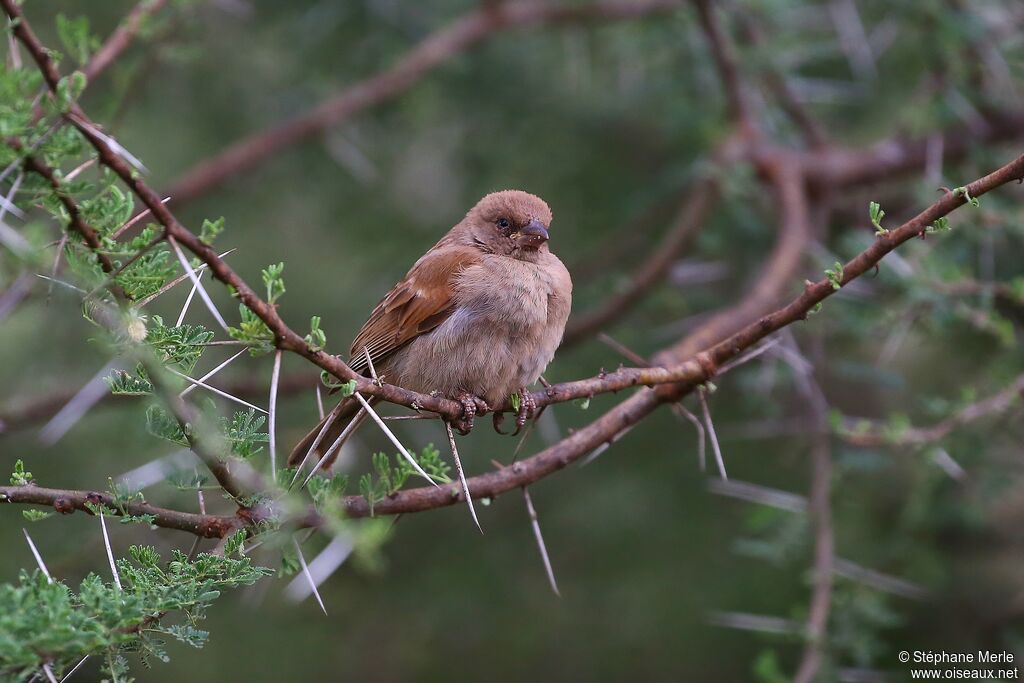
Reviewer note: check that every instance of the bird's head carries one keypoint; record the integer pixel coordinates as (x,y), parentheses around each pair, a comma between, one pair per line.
(510,223)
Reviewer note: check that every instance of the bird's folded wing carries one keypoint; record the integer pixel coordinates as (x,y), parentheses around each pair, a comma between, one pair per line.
(421,301)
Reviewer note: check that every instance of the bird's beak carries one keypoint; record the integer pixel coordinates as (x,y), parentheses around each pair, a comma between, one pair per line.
(532,235)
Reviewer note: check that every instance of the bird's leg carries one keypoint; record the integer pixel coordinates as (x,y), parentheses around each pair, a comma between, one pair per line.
(471,405)
(527,407)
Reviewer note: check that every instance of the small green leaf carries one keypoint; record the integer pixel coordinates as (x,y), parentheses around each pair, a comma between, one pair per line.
(876,214)
(20,477)
(35,515)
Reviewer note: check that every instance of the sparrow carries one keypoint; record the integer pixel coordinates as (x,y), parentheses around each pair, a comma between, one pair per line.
(477,319)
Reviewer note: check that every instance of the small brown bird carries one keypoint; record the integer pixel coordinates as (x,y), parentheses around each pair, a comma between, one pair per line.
(477,318)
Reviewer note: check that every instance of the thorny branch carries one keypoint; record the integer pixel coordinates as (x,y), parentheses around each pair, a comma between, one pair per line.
(678,369)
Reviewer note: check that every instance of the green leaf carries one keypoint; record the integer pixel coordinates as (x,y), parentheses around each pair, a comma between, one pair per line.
(316,340)
(835,275)
(876,214)
(242,433)
(179,347)
(211,230)
(20,477)
(252,332)
(35,515)
(162,425)
(74,35)
(273,281)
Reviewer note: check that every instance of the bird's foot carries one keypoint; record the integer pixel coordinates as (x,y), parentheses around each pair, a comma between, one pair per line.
(527,407)
(471,405)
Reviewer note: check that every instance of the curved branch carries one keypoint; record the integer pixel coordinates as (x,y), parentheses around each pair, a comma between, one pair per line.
(877,435)
(121,38)
(436,49)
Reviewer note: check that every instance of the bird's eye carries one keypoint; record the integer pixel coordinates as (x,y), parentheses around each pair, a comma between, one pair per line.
(503,223)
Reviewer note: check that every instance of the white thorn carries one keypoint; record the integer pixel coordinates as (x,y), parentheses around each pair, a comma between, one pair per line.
(711,432)
(195,280)
(110,553)
(535,523)
(39,558)
(215,390)
(275,376)
(462,476)
(309,577)
(211,373)
(394,439)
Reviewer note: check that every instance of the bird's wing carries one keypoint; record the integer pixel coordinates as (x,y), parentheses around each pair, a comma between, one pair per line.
(421,301)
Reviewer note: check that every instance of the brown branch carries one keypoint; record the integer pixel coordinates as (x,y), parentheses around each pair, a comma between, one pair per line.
(874,434)
(724,53)
(685,376)
(786,171)
(652,271)
(67,501)
(76,223)
(433,51)
(820,511)
(121,38)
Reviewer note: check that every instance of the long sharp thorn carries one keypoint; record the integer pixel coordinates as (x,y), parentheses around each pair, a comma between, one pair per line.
(309,577)
(188,299)
(316,442)
(74,669)
(462,475)
(174,283)
(56,264)
(49,673)
(39,558)
(275,376)
(203,294)
(345,433)
(9,199)
(319,402)
(211,373)
(710,426)
(110,552)
(681,411)
(135,219)
(394,439)
(322,566)
(215,390)
(535,523)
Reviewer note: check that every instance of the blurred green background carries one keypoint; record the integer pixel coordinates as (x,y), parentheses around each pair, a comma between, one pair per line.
(609,123)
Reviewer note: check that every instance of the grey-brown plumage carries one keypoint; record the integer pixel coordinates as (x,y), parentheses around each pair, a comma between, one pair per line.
(478,316)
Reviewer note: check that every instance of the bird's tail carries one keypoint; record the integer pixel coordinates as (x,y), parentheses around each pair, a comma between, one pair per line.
(343,422)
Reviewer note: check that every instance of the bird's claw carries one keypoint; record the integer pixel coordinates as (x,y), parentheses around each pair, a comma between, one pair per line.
(471,406)
(527,407)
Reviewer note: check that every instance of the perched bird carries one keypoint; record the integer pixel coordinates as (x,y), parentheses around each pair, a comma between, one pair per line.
(477,318)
